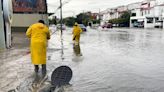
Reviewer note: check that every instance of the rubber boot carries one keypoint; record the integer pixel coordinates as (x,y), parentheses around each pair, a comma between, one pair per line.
(36,68)
(44,71)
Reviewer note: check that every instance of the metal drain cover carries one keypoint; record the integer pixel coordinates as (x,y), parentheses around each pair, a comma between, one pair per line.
(61,76)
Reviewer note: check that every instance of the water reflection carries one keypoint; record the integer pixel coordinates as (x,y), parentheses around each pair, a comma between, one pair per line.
(121,36)
(77,50)
(77,55)
(62,47)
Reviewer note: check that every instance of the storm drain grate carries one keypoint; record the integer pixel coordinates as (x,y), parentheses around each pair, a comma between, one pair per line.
(61,76)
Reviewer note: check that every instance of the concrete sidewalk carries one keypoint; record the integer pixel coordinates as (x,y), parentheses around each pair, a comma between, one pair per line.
(16,70)
(15,62)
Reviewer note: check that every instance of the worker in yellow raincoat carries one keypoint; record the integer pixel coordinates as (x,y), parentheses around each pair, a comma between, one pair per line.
(39,34)
(76,33)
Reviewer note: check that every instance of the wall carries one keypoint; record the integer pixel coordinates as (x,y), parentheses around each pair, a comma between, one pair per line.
(163,19)
(157,11)
(22,21)
(138,12)
(149,25)
(2,35)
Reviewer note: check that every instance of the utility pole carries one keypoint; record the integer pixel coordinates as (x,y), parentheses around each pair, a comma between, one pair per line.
(99,17)
(61,22)
(61,17)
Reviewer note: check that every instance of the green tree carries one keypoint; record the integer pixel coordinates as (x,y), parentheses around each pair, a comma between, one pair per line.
(123,20)
(83,18)
(95,21)
(69,21)
(53,20)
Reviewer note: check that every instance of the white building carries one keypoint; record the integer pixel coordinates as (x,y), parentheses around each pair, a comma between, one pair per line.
(112,13)
(163,19)
(134,6)
(149,15)
(105,16)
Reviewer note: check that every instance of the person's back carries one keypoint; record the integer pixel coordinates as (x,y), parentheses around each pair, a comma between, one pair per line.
(76,30)
(39,35)
(76,33)
(39,32)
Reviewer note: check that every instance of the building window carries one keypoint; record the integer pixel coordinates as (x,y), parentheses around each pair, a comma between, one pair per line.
(134,21)
(142,13)
(133,14)
(149,20)
(156,19)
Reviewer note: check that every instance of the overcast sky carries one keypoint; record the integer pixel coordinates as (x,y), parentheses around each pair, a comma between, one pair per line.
(76,6)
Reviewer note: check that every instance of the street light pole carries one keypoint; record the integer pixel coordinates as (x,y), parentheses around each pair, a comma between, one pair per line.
(61,17)
(61,22)
(99,17)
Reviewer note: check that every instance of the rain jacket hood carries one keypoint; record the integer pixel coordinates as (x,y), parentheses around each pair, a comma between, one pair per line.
(76,24)
(39,25)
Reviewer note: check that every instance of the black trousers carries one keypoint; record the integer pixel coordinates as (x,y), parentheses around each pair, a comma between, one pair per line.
(43,68)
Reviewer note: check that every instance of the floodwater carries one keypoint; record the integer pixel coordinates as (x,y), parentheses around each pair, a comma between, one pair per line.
(114,60)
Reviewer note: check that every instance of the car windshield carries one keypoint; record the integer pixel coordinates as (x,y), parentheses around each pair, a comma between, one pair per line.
(81,25)
(60,25)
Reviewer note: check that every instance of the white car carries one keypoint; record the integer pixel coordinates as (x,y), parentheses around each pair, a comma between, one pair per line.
(52,28)
(59,26)
(158,24)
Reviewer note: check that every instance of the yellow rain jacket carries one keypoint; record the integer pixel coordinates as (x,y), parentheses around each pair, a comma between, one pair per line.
(39,34)
(76,33)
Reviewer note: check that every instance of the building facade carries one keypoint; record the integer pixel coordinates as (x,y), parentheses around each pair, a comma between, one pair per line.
(149,15)
(22,21)
(29,12)
(146,14)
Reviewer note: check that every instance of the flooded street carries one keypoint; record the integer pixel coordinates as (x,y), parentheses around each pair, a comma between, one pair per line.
(114,60)
(119,60)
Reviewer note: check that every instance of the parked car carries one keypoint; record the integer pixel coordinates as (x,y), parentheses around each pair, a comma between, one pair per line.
(107,25)
(138,24)
(158,24)
(135,24)
(83,27)
(59,26)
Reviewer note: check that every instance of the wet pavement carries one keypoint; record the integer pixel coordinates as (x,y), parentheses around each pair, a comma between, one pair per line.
(114,60)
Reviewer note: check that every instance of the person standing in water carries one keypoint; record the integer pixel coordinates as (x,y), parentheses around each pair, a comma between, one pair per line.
(76,33)
(39,35)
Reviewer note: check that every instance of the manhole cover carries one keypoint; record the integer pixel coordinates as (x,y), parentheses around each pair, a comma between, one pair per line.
(61,76)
